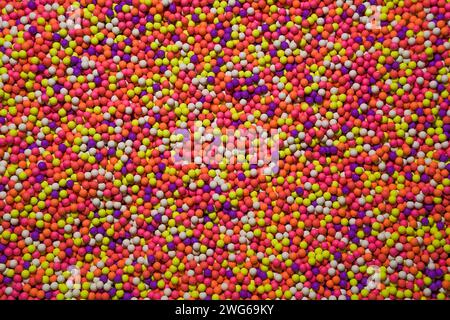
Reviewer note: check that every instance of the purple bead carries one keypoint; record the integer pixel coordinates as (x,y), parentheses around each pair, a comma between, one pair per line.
(42,165)
(32,5)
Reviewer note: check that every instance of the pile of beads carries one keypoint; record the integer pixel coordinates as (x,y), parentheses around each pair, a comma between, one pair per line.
(93,205)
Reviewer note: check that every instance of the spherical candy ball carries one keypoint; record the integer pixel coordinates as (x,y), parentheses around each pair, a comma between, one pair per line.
(350,175)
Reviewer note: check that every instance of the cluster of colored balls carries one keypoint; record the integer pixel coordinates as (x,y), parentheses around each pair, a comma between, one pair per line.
(92,205)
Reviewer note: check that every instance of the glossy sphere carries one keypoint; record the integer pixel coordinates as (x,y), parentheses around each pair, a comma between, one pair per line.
(93,204)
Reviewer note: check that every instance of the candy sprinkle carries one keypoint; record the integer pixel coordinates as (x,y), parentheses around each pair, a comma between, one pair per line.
(350,100)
